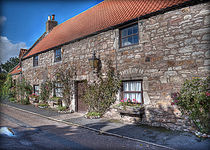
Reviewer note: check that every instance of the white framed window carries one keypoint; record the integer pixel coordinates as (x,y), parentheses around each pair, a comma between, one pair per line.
(58,89)
(132,90)
(36,89)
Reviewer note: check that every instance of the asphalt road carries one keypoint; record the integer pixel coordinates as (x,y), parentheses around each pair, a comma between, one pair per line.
(34,132)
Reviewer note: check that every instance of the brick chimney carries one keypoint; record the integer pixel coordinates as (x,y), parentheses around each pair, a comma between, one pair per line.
(51,23)
(22,52)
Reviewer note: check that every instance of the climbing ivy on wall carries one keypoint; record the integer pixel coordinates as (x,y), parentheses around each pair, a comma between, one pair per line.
(66,77)
(23,90)
(46,88)
(102,93)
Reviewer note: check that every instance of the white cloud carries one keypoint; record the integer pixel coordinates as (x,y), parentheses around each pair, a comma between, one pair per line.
(2,19)
(8,49)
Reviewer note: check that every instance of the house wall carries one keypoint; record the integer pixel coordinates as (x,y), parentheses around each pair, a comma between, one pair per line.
(177,43)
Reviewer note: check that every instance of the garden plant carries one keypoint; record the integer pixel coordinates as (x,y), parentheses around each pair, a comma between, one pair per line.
(194,101)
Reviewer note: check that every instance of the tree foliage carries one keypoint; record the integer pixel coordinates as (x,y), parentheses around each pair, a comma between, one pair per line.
(10,64)
(6,92)
(3,77)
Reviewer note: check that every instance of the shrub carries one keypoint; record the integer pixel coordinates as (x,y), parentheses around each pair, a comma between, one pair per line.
(43,105)
(55,98)
(25,101)
(194,101)
(62,108)
(94,114)
(12,99)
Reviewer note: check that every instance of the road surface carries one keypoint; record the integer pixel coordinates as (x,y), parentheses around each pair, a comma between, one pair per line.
(35,132)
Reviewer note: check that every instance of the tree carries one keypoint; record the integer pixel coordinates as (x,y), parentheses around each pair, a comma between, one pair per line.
(10,64)
(3,78)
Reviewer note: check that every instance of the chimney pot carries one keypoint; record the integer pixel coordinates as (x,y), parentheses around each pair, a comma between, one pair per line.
(51,23)
(49,17)
(53,17)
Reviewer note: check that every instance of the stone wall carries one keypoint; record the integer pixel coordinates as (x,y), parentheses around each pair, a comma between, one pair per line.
(176,43)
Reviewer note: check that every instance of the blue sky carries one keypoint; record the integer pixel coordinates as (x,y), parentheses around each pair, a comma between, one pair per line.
(22,22)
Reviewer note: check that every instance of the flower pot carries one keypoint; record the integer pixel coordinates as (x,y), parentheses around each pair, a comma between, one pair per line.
(129,110)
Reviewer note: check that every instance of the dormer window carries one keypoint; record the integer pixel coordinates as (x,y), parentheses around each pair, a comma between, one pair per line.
(129,36)
(35,60)
(57,55)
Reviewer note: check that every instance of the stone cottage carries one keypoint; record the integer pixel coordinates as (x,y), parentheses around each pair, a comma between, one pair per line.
(154,45)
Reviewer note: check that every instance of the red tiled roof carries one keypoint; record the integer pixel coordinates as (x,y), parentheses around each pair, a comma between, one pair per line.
(106,14)
(16,70)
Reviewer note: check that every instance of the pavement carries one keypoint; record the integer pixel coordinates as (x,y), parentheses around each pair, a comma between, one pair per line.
(151,135)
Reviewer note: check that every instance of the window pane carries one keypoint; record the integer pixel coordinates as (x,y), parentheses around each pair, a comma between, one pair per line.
(126,96)
(35,60)
(130,31)
(132,96)
(124,41)
(135,29)
(130,40)
(132,86)
(59,95)
(138,98)
(58,89)
(36,89)
(138,86)
(125,86)
(124,32)
(135,39)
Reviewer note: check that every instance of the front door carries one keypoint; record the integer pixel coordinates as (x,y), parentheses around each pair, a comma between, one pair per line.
(80,105)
